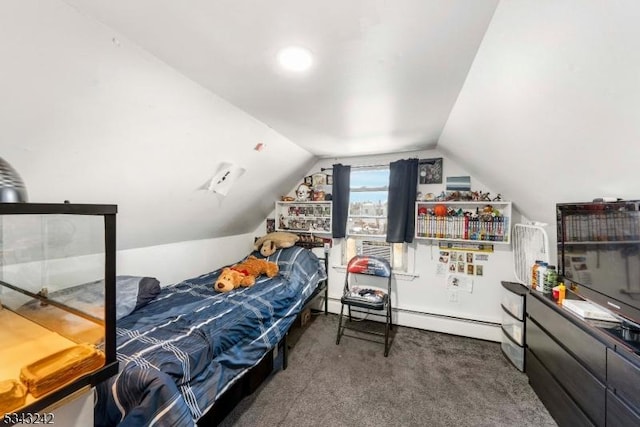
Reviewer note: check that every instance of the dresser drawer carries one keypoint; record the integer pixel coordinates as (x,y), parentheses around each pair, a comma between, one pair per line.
(513,298)
(582,345)
(619,414)
(559,404)
(513,351)
(513,327)
(623,377)
(580,384)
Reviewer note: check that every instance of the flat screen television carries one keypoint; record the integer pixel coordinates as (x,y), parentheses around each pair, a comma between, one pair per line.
(599,254)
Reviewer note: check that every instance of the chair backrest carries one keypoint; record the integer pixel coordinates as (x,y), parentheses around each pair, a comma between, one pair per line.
(369,265)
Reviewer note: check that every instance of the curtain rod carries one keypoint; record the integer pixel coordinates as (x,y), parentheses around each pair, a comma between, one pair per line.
(359,167)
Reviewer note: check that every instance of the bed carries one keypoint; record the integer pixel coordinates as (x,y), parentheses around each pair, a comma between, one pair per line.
(185,349)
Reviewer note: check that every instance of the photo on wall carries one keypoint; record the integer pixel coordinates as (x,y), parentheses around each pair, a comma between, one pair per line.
(271,225)
(318,179)
(458,183)
(430,171)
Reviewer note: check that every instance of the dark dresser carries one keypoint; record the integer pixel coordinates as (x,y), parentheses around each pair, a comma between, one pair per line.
(585,372)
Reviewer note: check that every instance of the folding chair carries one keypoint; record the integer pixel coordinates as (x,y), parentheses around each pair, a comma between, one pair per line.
(366,300)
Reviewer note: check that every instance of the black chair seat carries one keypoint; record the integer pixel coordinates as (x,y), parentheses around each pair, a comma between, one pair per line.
(363,302)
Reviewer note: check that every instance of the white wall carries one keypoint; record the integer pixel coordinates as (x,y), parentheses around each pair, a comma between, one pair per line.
(422,299)
(90,117)
(549,111)
(174,262)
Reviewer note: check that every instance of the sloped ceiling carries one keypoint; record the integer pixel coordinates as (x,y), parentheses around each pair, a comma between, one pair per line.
(87,116)
(139,103)
(550,109)
(385,77)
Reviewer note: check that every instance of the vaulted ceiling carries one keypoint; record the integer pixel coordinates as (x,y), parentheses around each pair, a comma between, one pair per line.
(385,76)
(139,103)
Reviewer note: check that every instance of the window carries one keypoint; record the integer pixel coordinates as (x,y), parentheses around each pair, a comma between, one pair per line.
(367,220)
(368,202)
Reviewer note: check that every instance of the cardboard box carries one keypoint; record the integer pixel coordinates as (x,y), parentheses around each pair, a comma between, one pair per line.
(305,317)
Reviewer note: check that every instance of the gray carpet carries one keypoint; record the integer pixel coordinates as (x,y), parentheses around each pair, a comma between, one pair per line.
(429,379)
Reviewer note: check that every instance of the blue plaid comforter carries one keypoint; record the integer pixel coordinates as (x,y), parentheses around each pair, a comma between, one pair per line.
(181,351)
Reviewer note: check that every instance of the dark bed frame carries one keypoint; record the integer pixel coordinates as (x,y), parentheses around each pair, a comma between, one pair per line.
(253,378)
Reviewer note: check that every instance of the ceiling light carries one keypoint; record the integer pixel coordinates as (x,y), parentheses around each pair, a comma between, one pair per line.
(295,58)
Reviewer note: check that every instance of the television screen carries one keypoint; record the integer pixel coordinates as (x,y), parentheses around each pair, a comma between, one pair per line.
(599,253)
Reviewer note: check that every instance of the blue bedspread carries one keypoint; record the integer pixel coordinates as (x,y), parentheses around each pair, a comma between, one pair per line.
(181,351)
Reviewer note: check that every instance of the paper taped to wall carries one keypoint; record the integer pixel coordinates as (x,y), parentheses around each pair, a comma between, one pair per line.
(457,282)
(224,179)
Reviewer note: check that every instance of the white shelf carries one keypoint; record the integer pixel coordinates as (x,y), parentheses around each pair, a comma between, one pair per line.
(468,223)
(305,217)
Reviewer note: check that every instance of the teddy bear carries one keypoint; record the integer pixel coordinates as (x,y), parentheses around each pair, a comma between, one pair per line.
(269,243)
(244,273)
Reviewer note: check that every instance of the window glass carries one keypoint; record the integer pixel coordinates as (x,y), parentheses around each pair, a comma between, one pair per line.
(368,202)
(367,221)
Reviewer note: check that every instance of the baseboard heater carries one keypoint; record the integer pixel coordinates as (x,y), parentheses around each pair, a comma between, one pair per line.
(442,316)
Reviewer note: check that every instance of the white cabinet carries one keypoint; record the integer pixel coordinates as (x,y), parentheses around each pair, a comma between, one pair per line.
(464,221)
(309,217)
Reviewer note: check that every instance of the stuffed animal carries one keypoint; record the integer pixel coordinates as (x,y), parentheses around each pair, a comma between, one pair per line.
(270,242)
(244,273)
(230,279)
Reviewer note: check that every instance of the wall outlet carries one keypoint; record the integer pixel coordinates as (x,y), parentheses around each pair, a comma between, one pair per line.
(453,297)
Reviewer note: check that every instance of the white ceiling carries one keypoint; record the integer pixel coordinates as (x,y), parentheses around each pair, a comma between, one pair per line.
(386,73)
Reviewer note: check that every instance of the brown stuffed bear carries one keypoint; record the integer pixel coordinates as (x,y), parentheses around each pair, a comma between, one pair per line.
(270,242)
(244,273)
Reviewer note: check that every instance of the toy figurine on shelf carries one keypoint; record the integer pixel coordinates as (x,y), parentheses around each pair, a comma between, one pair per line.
(283,223)
(498,198)
(467,196)
(453,196)
(303,193)
(318,194)
(487,213)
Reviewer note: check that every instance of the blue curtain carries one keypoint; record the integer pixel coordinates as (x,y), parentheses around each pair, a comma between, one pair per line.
(403,184)
(340,198)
